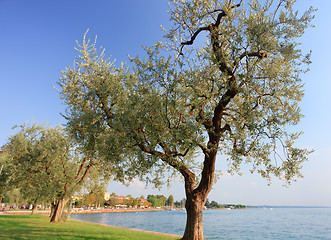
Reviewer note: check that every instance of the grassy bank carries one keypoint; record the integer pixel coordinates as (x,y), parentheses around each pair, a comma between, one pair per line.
(38,227)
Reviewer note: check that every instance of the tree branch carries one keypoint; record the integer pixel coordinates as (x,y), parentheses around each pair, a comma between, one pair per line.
(170,159)
(226,98)
(201,118)
(204,149)
(221,10)
(280,3)
(250,54)
(80,169)
(225,128)
(207,28)
(104,106)
(193,37)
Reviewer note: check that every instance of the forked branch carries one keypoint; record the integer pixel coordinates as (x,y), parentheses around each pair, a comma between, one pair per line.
(193,37)
(207,28)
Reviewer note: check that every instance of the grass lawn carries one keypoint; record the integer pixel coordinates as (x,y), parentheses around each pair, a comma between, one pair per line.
(38,227)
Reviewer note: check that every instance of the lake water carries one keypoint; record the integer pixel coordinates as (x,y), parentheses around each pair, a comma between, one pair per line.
(246,224)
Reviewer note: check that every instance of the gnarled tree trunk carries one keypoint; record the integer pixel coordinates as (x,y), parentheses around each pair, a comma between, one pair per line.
(194,226)
(196,198)
(58,210)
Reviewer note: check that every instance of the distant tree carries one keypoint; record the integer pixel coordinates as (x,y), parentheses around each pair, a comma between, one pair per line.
(207,203)
(46,166)
(236,94)
(183,203)
(180,204)
(153,200)
(128,200)
(31,163)
(112,201)
(134,202)
(162,200)
(97,190)
(78,200)
(241,206)
(170,201)
(89,199)
(214,204)
(4,176)
(13,197)
(157,201)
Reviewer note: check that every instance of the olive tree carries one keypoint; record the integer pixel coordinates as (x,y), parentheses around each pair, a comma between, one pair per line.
(45,165)
(28,165)
(236,94)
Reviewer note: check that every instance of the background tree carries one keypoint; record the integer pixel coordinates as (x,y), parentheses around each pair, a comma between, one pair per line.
(207,203)
(90,199)
(157,201)
(76,166)
(29,163)
(46,166)
(214,204)
(14,197)
(181,203)
(170,201)
(96,185)
(78,200)
(3,176)
(112,201)
(236,94)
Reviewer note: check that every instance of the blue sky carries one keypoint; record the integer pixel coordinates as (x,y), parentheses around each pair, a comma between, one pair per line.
(38,39)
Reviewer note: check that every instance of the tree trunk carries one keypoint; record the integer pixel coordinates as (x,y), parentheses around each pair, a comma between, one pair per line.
(196,198)
(194,227)
(53,205)
(58,210)
(34,208)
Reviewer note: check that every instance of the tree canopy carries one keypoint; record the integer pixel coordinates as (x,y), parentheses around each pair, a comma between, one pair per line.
(33,162)
(45,165)
(235,94)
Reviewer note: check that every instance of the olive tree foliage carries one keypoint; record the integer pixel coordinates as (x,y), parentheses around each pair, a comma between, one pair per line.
(244,84)
(235,93)
(31,165)
(117,114)
(246,77)
(46,165)
(3,175)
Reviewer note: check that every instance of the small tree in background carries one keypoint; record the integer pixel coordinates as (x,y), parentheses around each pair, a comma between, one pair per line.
(170,201)
(46,166)
(97,188)
(236,94)
(31,163)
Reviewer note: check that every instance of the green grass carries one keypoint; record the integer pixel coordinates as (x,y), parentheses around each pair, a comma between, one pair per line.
(38,227)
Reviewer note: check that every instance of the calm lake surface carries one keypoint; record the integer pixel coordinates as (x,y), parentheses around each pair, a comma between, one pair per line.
(251,223)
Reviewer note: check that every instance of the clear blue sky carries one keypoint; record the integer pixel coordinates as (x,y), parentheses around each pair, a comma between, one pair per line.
(38,39)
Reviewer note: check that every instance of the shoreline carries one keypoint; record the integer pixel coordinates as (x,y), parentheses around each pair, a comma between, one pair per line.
(116,211)
(91,211)
(47,212)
